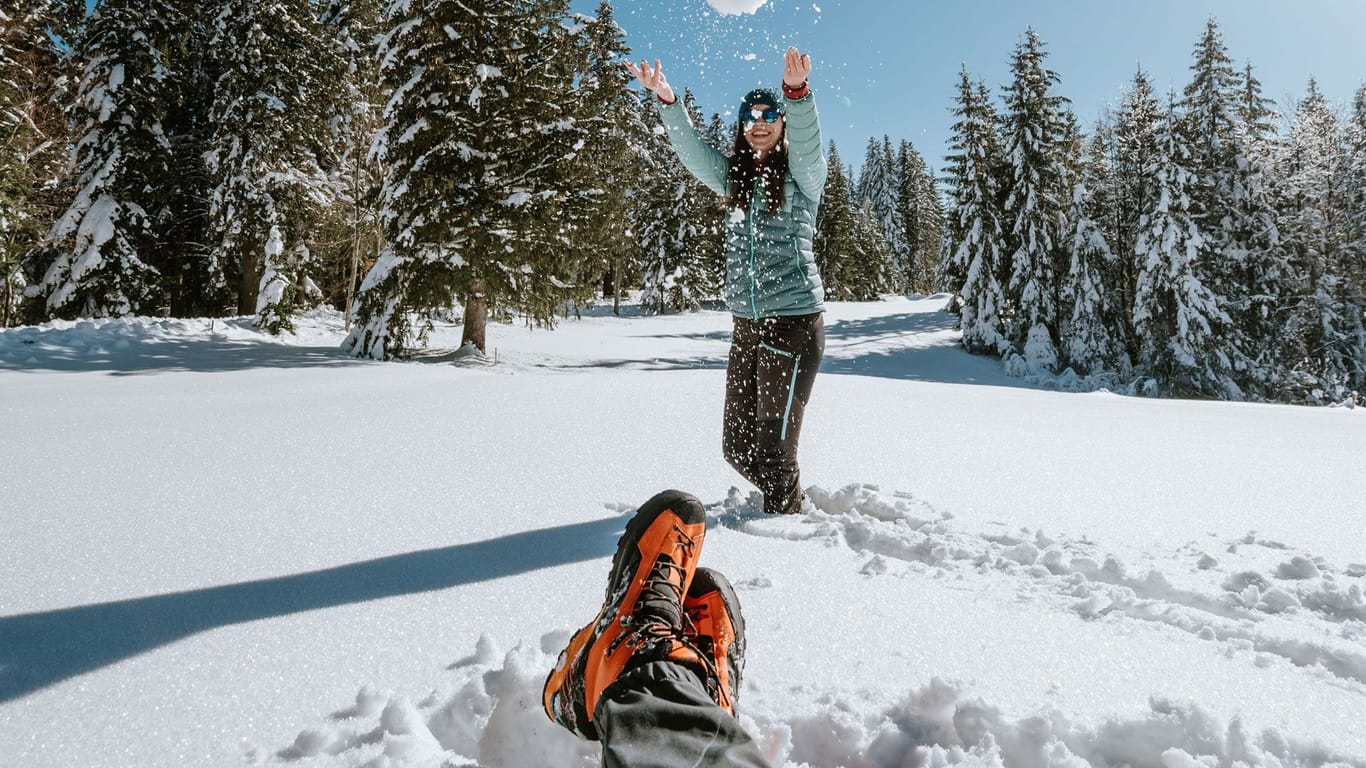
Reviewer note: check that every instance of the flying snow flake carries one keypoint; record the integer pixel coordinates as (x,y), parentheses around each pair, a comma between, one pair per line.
(749,57)
(736,7)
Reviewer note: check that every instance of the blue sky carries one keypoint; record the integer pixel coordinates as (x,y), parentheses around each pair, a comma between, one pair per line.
(890,66)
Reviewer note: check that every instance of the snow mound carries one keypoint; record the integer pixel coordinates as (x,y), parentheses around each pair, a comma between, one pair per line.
(143,343)
(489,713)
(1255,603)
(486,708)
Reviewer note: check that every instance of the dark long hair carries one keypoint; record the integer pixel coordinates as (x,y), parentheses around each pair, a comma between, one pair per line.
(744,169)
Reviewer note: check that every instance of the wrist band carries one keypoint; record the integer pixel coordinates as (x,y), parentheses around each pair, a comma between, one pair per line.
(794,92)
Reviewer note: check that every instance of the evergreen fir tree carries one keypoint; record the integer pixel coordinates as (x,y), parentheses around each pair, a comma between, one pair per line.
(718,132)
(919,219)
(349,232)
(1353,199)
(1255,112)
(835,232)
(973,231)
(1210,106)
(1099,179)
(93,256)
(1319,330)
(616,139)
(192,283)
(1177,319)
(31,138)
(1137,123)
(271,140)
(1037,141)
(677,224)
(878,188)
(869,270)
(480,200)
(721,134)
(1089,343)
(1252,250)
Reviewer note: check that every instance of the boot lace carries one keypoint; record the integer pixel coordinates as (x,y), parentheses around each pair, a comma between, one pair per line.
(657,615)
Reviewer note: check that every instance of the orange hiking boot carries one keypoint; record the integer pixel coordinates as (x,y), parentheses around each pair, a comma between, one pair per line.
(642,614)
(715,625)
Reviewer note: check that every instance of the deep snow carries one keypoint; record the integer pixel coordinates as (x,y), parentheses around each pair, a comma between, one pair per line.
(224,549)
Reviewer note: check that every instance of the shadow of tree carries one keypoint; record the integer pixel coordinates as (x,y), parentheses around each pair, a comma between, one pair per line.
(163,355)
(910,346)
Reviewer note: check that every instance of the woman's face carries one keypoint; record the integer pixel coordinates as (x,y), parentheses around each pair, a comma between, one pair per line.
(763,128)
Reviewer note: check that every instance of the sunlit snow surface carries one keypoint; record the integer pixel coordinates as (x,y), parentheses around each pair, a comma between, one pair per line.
(225,549)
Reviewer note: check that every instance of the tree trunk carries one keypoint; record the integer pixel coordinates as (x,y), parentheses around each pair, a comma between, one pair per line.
(616,292)
(476,317)
(251,283)
(355,247)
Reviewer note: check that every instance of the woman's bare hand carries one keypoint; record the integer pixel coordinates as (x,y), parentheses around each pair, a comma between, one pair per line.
(653,79)
(796,68)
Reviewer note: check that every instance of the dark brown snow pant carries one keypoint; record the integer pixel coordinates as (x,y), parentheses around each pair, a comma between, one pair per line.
(773,363)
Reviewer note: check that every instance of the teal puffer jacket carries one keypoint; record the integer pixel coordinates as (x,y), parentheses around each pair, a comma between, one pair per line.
(770,268)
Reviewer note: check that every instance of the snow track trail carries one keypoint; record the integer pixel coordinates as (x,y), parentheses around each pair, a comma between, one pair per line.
(1255,600)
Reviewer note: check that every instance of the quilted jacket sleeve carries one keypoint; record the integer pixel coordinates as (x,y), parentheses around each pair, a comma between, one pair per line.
(700,158)
(805,158)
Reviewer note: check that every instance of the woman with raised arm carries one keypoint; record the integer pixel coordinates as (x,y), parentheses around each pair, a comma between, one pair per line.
(771,184)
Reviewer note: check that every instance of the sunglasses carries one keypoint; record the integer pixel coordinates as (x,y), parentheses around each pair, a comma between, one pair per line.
(769,115)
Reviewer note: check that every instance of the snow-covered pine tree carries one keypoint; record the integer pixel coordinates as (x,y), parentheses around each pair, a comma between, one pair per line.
(617,137)
(869,270)
(677,224)
(1353,197)
(1177,319)
(1209,105)
(919,218)
(973,231)
(31,142)
(349,234)
(276,74)
(720,132)
(481,142)
(1256,112)
(1098,177)
(717,131)
(1137,123)
(93,257)
(835,232)
(1252,239)
(878,188)
(1036,193)
(192,284)
(1089,341)
(1319,328)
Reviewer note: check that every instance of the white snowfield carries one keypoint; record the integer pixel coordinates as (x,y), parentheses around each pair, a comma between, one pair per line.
(224,549)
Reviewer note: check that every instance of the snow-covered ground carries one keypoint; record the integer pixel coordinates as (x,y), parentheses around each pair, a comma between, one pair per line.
(222,549)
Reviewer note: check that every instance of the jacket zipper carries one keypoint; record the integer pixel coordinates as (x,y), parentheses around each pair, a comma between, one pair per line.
(753,277)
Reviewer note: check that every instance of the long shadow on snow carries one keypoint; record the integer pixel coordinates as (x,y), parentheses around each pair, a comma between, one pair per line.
(143,357)
(40,649)
(942,362)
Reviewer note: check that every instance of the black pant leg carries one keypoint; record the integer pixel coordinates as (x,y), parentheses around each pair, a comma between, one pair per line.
(789,356)
(659,716)
(739,418)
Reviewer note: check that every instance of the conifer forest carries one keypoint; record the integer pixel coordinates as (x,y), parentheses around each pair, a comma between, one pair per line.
(414,161)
